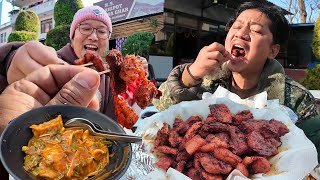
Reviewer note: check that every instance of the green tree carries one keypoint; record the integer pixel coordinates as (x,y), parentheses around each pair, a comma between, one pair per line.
(312,79)
(138,44)
(22,36)
(64,11)
(27,26)
(27,21)
(316,39)
(58,37)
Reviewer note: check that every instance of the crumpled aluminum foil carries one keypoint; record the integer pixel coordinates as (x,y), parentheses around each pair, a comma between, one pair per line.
(142,163)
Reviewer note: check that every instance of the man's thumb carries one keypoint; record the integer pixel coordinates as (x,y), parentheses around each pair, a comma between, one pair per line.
(80,90)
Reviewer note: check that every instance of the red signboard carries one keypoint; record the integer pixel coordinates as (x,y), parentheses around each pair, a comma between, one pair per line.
(119,10)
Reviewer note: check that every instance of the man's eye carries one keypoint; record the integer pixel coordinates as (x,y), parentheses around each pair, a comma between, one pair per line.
(86,28)
(255,30)
(102,31)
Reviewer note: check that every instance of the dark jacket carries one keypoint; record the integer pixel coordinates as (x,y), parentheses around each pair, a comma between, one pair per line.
(67,54)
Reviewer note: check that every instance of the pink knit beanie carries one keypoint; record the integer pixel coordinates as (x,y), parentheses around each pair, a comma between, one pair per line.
(90,13)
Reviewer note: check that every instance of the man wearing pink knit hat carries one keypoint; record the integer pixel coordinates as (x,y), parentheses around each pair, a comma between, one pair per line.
(87,13)
(90,32)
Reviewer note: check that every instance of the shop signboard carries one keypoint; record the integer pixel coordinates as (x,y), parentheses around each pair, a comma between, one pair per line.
(120,10)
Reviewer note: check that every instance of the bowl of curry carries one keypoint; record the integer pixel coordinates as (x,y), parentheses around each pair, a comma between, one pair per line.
(36,145)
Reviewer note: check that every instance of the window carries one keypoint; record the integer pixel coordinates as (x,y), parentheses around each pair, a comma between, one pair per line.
(1,38)
(5,37)
(46,25)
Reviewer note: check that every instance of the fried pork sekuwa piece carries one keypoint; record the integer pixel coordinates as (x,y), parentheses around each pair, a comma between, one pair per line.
(260,145)
(243,169)
(194,144)
(131,69)
(214,143)
(126,116)
(125,71)
(145,93)
(257,164)
(214,166)
(193,173)
(271,128)
(227,156)
(242,116)
(207,176)
(114,60)
(95,59)
(220,113)
(162,137)
(164,162)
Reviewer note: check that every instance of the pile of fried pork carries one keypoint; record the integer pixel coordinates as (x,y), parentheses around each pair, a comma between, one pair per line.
(213,148)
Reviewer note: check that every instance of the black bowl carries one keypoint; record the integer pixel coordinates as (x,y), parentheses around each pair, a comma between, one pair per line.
(18,133)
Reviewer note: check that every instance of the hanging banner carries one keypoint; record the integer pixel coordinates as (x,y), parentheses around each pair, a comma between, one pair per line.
(120,10)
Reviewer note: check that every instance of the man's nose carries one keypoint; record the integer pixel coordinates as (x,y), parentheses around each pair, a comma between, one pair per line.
(94,35)
(243,33)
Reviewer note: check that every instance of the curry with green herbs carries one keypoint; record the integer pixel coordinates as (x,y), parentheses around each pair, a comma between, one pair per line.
(56,152)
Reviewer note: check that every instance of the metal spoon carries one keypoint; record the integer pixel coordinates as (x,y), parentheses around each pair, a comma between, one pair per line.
(81,123)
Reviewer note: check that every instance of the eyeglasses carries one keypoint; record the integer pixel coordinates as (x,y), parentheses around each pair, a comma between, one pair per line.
(86,29)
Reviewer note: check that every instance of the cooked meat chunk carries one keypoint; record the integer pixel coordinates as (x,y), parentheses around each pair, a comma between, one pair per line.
(162,137)
(257,163)
(242,116)
(194,144)
(207,176)
(220,113)
(238,141)
(260,145)
(164,162)
(243,169)
(215,166)
(194,174)
(167,150)
(174,138)
(227,156)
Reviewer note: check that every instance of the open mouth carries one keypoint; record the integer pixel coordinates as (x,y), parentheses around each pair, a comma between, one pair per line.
(91,47)
(238,52)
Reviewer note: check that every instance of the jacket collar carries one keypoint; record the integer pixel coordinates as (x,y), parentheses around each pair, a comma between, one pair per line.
(272,79)
(67,53)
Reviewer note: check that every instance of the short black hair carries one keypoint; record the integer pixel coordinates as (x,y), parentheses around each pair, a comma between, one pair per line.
(279,26)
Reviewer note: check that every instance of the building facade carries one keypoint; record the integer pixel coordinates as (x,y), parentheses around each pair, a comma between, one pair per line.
(44,10)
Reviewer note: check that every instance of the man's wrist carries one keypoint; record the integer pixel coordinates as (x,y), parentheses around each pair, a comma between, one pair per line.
(188,79)
(191,75)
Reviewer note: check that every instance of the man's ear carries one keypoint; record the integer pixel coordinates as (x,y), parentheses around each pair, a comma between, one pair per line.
(275,48)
